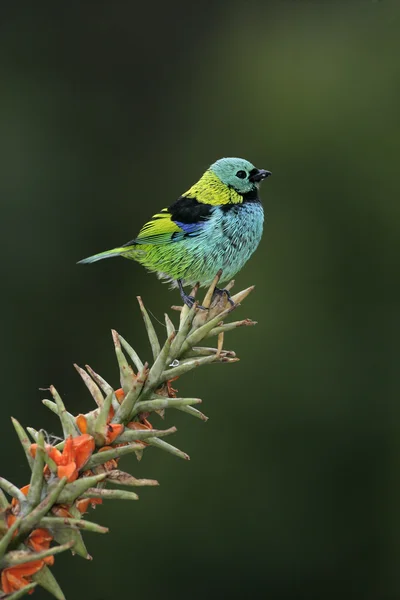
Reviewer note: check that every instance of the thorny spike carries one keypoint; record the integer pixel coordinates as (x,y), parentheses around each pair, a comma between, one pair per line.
(23,438)
(187,366)
(151,332)
(101,421)
(67,423)
(3,501)
(41,509)
(106,387)
(229,327)
(193,411)
(127,376)
(110,494)
(169,325)
(159,364)
(23,591)
(196,336)
(184,328)
(6,539)
(131,353)
(133,435)
(122,478)
(124,411)
(210,292)
(91,386)
(73,523)
(238,298)
(168,448)
(153,405)
(77,488)
(36,484)
(64,530)
(46,579)
(19,557)
(102,457)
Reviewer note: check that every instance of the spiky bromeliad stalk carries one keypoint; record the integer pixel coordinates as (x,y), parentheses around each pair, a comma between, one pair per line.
(68,477)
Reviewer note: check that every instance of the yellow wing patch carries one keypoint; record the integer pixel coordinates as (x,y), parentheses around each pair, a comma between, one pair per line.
(210,190)
(159,230)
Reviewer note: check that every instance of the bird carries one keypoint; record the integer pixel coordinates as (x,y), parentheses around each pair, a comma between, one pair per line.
(217,224)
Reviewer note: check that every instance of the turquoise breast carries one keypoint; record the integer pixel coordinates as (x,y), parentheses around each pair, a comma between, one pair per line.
(229,238)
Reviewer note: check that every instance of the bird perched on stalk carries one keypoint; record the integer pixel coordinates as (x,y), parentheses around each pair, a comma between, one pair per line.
(216,224)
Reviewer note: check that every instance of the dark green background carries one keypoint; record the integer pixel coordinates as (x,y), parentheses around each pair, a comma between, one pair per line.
(108,111)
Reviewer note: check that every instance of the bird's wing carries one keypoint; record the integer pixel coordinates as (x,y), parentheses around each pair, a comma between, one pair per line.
(182,219)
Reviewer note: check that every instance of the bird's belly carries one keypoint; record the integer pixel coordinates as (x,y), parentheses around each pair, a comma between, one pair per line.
(230,238)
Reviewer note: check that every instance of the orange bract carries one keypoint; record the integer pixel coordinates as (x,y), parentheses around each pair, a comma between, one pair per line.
(120,395)
(113,431)
(15,578)
(76,452)
(40,540)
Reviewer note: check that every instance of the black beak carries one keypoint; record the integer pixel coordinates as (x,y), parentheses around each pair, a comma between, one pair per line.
(259,175)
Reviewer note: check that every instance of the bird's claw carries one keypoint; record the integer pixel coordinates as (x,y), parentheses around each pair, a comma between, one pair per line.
(220,292)
(188,300)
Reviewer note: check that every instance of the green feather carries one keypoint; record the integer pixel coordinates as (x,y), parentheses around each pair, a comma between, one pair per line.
(106,254)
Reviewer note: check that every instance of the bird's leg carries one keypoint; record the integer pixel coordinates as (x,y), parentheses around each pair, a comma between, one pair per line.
(188,300)
(220,291)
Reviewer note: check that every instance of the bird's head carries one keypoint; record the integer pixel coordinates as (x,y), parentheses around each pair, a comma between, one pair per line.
(239,174)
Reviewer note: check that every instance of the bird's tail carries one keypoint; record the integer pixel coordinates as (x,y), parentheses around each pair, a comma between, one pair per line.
(106,254)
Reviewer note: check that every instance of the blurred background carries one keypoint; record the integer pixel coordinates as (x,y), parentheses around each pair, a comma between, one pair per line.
(108,112)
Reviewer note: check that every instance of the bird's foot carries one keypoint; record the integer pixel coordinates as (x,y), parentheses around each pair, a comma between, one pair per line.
(220,292)
(188,300)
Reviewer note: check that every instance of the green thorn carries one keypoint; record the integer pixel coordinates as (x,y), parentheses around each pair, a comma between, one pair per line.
(110,494)
(36,482)
(22,592)
(127,376)
(73,490)
(126,407)
(12,490)
(169,325)
(31,519)
(101,421)
(101,457)
(106,387)
(25,441)
(159,365)
(131,353)
(46,579)
(168,448)
(91,386)
(8,536)
(54,523)
(186,366)
(151,332)
(122,478)
(183,332)
(131,435)
(3,501)
(193,411)
(67,420)
(229,327)
(33,432)
(19,557)
(152,405)
(66,533)
(198,334)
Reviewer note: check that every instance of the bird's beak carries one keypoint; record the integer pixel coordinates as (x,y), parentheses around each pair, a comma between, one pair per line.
(259,175)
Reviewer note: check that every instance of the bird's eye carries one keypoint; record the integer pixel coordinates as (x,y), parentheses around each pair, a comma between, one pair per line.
(241,174)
